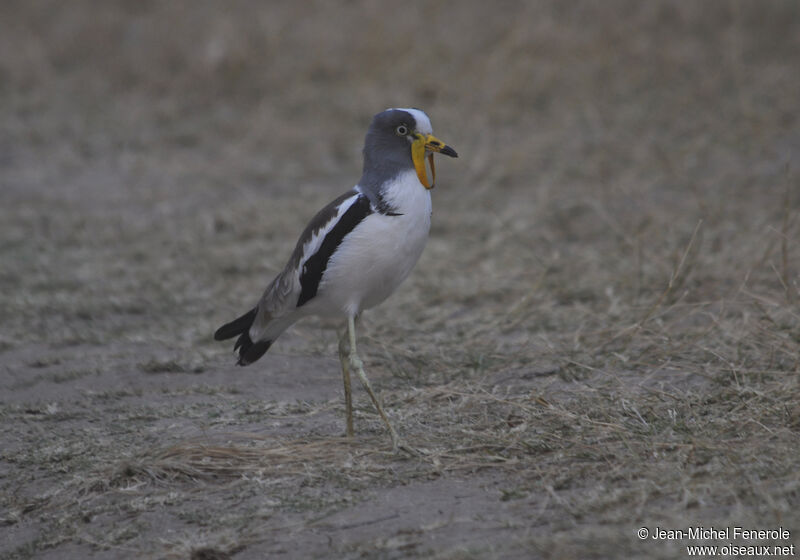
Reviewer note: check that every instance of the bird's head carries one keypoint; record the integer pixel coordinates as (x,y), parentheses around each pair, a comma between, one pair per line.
(403,137)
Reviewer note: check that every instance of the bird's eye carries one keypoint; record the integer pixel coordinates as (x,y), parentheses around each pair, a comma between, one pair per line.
(401,130)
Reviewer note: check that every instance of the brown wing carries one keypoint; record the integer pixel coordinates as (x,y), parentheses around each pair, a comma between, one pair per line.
(283,293)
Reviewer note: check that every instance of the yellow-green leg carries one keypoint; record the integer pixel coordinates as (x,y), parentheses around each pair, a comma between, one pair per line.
(348,396)
(356,364)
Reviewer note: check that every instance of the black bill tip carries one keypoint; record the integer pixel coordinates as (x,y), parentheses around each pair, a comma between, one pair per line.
(448,151)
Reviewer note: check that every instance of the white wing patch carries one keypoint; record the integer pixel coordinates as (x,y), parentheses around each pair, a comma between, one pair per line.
(281,295)
(312,245)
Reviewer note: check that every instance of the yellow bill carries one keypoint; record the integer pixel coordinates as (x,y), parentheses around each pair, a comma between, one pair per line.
(426,144)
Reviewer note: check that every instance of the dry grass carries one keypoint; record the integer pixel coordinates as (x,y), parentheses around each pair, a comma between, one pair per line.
(602,334)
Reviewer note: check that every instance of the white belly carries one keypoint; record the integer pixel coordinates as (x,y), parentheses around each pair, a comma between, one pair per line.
(379,253)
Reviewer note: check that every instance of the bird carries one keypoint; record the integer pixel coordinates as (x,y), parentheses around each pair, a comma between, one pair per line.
(356,251)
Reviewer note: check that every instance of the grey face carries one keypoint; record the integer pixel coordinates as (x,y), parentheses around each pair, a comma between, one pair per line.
(398,140)
(388,141)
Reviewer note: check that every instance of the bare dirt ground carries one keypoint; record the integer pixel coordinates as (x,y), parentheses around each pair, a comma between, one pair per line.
(603,333)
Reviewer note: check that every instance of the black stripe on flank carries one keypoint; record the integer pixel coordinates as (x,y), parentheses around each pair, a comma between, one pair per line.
(315,265)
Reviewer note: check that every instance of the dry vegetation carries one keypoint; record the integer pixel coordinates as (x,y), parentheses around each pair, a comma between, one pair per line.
(603,333)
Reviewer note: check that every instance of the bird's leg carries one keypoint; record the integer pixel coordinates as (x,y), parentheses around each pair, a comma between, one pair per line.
(358,366)
(348,397)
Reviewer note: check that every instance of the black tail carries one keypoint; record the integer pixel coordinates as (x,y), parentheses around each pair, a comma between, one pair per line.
(249,351)
(237,326)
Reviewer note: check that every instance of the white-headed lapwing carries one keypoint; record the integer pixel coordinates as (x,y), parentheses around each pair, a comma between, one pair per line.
(357,250)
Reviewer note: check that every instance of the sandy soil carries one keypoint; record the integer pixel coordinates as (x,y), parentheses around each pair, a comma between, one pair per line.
(603,333)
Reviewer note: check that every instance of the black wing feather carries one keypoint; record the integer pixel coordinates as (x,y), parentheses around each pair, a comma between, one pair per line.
(316,264)
(237,326)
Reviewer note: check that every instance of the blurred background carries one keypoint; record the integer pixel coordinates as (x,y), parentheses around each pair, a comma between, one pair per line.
(147,146)
(624,211)
(614,126)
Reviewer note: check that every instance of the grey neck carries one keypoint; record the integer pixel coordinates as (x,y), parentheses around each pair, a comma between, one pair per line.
(381,165)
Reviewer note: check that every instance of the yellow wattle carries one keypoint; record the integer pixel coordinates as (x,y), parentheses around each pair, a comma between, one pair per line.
(418,156)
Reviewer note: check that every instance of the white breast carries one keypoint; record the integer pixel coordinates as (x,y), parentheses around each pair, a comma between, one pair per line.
(381,251)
